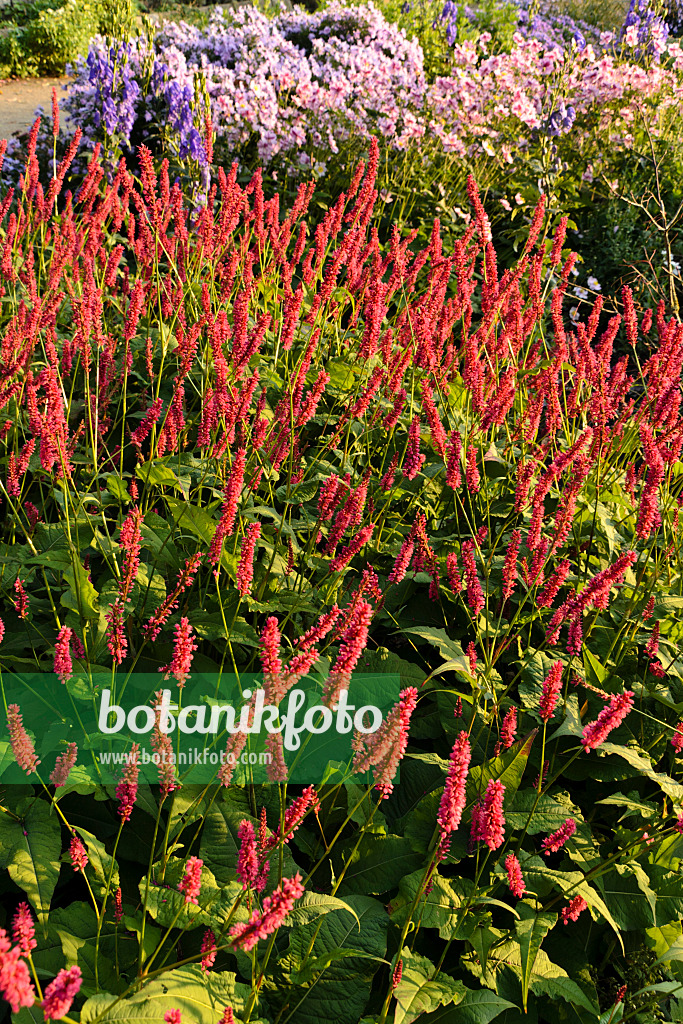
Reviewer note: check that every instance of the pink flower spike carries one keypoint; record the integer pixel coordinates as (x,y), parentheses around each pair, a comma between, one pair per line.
(488,822)
(508,729)
(276,908)
(63,765)
(514,873)
(571,912)
(78,854)
(63,666)
(247,859)
(677,738)
(59,994)
(611,716)
(192,880)
(183,652)
(208,949)
(22,746)
(454,796)
(15,980)
(245,569)
(227,1017)
(172,1017)
(23,929)
(555,842)
(127,788)
(383,750)
(552,686)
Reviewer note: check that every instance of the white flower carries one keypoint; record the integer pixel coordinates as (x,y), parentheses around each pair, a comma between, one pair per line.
(574,315)
(594,284)
(580,292)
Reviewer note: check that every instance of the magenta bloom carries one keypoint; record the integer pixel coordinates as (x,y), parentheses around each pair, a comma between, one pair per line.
(353,642)
(15,980)
(515,878)
(552,687)
(488,822)
(22,746)
(508,729)
(127,788)
(245,569)
(227,1017)
(677,738)
(510,566)
(191,881)
(208,949)
(231,497)
(247,860)
(454,797)
(412,462)
(172,1017)
(383,750)
(183,652)
(23,929)
(612,715)
(557,840)
(63,666)
(59,994)
(78,854)
(274,913)
(572,911)
(21,600)
(63,766)
(475,594)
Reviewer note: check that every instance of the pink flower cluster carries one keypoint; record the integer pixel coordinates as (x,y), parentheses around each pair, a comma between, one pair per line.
(276,909)
(488,821)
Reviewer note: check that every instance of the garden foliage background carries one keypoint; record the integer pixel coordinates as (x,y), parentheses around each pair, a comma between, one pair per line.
(348,340)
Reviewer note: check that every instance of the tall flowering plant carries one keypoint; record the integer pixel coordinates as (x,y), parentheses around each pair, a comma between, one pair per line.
(452,482)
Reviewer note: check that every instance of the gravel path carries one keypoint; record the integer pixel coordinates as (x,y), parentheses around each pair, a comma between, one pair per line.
(19,99)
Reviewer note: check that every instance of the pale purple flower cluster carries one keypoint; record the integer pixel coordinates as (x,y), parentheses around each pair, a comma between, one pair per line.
(298,87)
(644,30)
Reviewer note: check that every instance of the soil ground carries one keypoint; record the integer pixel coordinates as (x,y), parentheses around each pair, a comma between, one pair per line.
(19,99)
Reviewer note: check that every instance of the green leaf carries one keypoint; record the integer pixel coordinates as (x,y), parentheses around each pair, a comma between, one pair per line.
(377,864)
(75,928)
(416,994)
(531,929)
(198,995)
(638,760)
(340,993)
(479,1006)
(545,978)
(81,597)
(448,648)
(439,908)
(30,851)
(157,474)
(313,905)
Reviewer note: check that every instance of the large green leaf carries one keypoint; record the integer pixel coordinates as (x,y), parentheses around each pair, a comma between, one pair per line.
(439,908)
(200,997)
(313,905)
(377,864)
(81,597)
(339,994)
(30,851)
(643,766)
(479,1006)
(545,978)
(531,929)
(417,994)
(75,928)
